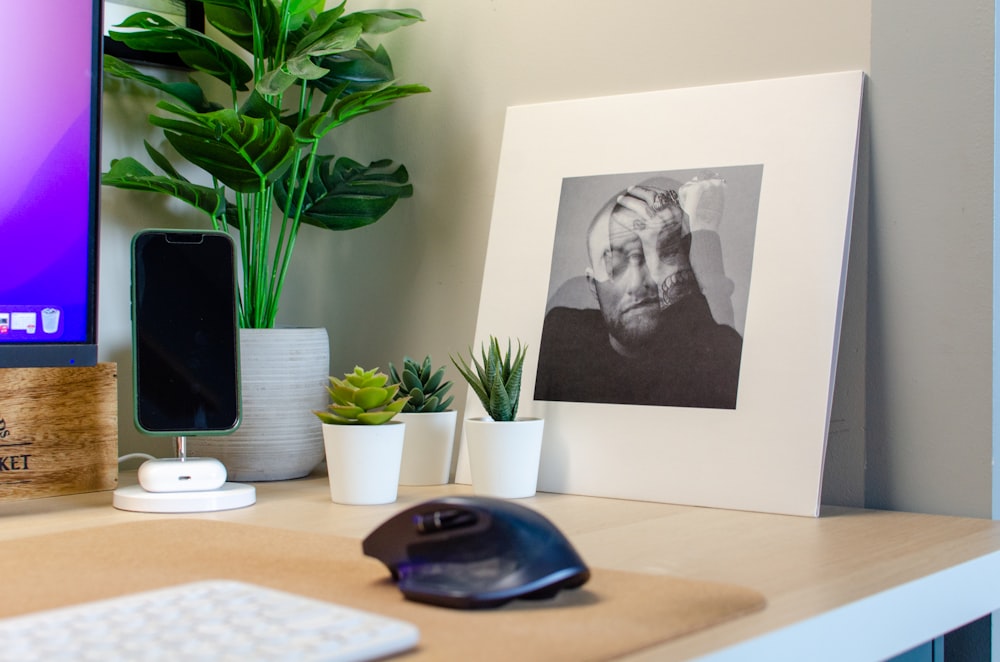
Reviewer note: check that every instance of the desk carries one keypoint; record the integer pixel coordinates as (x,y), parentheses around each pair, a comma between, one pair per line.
(850,585)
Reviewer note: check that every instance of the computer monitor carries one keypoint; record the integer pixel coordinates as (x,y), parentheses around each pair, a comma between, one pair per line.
(49,183)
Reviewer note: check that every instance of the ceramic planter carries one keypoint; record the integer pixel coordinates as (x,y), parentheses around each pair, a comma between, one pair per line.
(363,461)
(427,448)
(284,373)
(504,456)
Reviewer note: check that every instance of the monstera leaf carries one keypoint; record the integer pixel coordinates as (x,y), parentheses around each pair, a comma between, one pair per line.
(128,173)
(244,153)
(344,194)
(159,35)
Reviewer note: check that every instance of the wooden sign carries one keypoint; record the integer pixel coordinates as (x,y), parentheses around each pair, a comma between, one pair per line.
(58,431)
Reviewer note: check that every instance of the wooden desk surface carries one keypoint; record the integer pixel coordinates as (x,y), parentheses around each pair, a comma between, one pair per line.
(852,584)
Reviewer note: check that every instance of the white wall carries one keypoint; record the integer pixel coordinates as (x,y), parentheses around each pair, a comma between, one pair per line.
(931,256)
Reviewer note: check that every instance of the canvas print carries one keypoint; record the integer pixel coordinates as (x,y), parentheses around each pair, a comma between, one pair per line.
(644,292)
(675,263)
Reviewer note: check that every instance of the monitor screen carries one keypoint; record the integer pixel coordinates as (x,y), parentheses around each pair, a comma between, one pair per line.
(49,183)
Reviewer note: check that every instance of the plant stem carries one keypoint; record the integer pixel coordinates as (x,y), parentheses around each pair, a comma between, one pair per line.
(296,222)
(247,262)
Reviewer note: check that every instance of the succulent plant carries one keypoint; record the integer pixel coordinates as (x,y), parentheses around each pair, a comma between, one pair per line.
(425,386)
(497,379)
(362,397)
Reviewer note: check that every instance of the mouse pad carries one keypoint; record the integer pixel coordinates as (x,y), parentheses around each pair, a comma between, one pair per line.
(613,614)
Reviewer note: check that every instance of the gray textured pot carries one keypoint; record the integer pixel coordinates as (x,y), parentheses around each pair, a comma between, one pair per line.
(284,374)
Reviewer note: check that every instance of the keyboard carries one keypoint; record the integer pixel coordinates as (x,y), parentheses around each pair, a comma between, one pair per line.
(208,620)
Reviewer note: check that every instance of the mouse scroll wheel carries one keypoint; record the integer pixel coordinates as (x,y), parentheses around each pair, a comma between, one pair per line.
(444,520)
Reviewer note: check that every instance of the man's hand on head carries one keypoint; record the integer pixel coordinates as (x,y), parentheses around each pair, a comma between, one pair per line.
(653,207)
(703,199)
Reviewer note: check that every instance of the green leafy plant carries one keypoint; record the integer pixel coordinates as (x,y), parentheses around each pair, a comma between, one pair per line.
(362,397)
(310,71)
(425,386)
(496,379)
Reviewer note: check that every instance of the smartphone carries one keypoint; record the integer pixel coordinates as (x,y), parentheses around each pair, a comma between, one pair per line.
(185,333)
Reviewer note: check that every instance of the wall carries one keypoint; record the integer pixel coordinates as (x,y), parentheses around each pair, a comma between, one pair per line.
(930,307)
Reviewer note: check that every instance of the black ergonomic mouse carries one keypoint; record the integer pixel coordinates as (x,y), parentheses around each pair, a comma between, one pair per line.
(471,552)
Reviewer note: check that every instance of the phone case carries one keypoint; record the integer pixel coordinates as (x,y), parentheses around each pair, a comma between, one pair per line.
(136,239)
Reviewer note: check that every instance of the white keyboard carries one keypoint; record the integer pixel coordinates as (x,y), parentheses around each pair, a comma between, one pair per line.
(210,620)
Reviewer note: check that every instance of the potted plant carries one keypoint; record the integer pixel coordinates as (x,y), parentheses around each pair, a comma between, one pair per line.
(504,450)
(364,446)
(430,424)
(297,73)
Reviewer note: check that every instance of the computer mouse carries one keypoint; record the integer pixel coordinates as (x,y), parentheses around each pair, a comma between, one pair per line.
(471,552)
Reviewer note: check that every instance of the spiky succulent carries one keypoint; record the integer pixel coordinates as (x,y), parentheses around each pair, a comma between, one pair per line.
(425,386)
(362,397)
(496,380)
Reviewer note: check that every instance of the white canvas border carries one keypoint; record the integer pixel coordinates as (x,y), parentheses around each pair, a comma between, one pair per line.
(767,454)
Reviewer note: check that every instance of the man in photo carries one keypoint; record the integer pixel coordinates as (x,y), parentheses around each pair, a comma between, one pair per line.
(653,339)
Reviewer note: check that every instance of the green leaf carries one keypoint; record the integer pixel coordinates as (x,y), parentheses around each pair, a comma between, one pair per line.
(325,37)
(340,393)
(380,21)
(163,162)
(411,382)
(156,34)
(127,173)
(332,419)
(370,397)
(257,106)
(296,7)
(374,380)
(435,380)
(234,18)
(375,417)
(189,93)
(244,153)
(512,377)
(352,106)
(393,374)
(346,411)
(344,195)
(500,404)
(301,66)
(275,82)
(356,70)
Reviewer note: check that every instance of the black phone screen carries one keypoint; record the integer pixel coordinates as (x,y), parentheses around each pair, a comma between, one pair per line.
(185,332)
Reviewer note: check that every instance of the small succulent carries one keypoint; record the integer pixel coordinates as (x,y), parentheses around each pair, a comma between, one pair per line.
(425,386)
(497,379)
(362,397)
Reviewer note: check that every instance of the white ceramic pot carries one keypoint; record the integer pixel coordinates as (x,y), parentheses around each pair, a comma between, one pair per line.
(363,461)
(504,456)
(284,373)
(427,448)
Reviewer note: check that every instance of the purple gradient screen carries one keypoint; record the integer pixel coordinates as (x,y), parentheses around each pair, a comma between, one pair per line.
(48,162)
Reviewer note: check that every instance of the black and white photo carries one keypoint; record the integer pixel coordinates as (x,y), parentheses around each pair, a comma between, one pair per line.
(642,307)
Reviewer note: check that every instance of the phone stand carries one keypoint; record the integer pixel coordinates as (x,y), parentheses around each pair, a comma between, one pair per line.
(183,485)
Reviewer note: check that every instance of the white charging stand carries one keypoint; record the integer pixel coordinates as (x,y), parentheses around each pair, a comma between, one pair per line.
(227,496)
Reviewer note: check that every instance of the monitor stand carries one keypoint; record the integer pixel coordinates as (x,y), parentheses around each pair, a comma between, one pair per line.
(187,474)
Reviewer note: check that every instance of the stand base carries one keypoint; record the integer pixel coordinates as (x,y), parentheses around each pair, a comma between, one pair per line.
(228,497)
